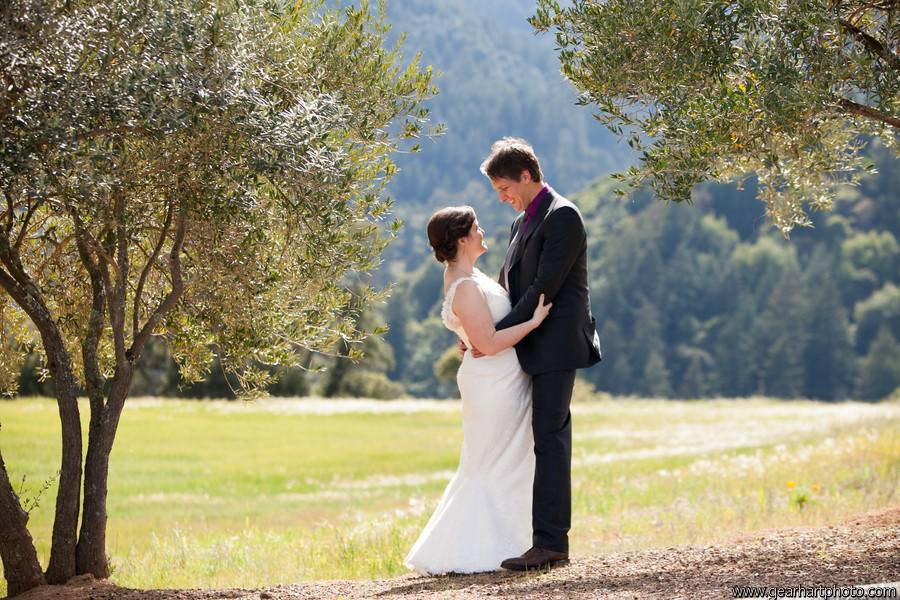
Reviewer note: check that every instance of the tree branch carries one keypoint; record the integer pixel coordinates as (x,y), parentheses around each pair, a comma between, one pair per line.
(92,376)
(102,255)
(146,271)
(872,44)
(117,299)
(12,287)
(29,300)
(174,295)
(868,112)
(10,209)
(56,251)
(885,5)
(12,261)
(28,215)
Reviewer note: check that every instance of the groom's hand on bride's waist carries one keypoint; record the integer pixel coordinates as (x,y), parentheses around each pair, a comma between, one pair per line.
(462,350)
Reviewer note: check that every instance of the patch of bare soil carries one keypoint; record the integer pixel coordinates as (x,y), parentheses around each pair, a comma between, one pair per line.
(864,550)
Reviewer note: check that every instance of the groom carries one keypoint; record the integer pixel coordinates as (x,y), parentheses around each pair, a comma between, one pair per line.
(547,255)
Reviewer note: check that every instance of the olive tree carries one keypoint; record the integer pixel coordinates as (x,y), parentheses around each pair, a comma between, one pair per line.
(203,170)
(717,90)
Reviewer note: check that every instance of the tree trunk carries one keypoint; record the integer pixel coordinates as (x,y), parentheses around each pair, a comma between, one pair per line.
(65,524)
(91,551)
(92,538)
(28,296)
(20,562)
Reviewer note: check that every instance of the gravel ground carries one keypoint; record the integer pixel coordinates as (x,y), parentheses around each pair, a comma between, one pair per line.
(864,550)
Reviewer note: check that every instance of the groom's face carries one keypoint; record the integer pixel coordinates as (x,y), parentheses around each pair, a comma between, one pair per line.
(513,192)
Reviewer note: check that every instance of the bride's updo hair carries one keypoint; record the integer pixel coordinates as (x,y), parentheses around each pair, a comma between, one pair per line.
(446,227)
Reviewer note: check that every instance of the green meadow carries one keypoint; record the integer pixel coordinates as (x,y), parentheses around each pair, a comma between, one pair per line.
(219,494)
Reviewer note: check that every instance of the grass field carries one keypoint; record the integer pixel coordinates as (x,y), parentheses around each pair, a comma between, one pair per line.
(217,494)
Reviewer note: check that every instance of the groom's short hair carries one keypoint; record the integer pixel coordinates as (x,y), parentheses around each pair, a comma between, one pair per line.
(509,157)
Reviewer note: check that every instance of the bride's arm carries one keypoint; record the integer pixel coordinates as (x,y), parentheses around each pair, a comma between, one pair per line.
(470,306)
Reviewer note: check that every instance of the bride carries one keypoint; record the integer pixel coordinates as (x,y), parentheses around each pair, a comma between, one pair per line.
(484,515)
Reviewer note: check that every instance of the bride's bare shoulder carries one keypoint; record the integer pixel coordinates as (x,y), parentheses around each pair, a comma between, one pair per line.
(451,279)
(461,288)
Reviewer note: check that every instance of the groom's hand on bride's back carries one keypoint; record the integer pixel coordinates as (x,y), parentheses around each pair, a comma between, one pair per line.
(463,348)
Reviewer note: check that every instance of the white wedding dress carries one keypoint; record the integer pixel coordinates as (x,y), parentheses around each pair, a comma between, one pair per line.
(484,515)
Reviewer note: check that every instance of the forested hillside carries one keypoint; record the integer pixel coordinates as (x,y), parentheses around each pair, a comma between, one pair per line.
(690,300)
(708,300)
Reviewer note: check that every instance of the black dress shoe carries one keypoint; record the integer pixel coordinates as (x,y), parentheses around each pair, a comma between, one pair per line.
(536,558)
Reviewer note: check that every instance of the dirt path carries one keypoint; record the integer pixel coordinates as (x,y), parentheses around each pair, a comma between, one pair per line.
(863,550)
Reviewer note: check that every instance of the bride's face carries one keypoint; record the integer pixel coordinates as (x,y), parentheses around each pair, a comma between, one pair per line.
(474,242)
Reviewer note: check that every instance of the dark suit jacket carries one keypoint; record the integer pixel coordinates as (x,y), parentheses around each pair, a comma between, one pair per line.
(551,259)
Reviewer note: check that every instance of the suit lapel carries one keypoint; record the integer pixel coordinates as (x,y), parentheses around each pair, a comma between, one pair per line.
(510,252)
(532,227)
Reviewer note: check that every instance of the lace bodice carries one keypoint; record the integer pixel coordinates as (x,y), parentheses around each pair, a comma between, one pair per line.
(496,297)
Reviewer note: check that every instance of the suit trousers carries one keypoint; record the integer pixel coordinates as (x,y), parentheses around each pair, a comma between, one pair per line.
(551,421)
